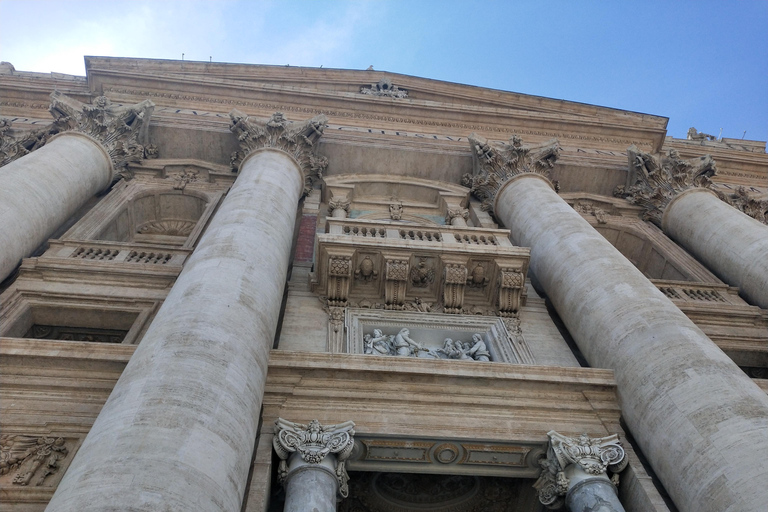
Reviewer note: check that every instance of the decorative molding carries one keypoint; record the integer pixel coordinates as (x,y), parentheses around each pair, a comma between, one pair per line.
(314,442)
(339,274)
(655,181)
(594,456)
(296,139)
(122,130)
(453,287)
(32,458)
(495,164)
(384,87)
(168,227)
(511,286)
(396,276)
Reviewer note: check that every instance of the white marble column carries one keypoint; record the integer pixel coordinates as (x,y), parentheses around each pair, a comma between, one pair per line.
(575,473)
(677,197)
(701,422)
(178,430)
(312,463)
(41,190)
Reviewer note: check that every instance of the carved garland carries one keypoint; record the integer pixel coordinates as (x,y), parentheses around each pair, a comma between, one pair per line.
(495,164)
(296,139)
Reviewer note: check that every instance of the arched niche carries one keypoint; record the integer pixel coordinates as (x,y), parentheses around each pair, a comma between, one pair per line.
(161,216)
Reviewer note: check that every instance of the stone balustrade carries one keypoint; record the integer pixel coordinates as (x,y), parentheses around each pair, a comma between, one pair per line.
(690,292)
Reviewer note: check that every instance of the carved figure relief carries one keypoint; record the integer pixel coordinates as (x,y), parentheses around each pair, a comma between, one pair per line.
(384,87)
(181,179)
(587,207)
(366,271)
(33,458)
(422,275)
(401,345)
(694,134)
(396,211)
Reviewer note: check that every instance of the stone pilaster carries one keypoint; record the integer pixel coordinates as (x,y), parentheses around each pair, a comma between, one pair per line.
(576,468)
(312,463)
(668,372)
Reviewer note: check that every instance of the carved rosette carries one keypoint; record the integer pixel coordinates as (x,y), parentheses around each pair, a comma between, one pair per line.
(296,139)
(339,274)
(657,181)
(511,284)
(121,129)
(495,164)
(453,289)
(314,442)
(741,200)
(396,273)
(595,456)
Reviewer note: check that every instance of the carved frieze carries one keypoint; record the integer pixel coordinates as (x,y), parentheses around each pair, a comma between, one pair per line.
(121,129)
(313,442)
(296,139)
(31,459)
(595,456)
(655,182)
(495,164)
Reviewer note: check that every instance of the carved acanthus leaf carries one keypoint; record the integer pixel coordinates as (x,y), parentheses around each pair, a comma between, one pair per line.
(741,200)
(659,180)
(313,442)
(296,139)
(12,147)
(30,457)
(595,456)
(121,129)
(495,164)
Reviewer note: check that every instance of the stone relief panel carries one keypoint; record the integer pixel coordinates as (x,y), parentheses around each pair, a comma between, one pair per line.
(435,336)
(32,460)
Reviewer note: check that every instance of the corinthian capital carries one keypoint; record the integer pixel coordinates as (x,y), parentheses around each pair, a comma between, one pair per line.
(121,129)
(296,139)
(593,456)
(313,442)
(495,164)
(12,147)
(657,181)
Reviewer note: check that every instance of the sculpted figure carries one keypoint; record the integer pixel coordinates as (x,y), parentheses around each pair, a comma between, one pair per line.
(378,344)
(404,346)
(478,350)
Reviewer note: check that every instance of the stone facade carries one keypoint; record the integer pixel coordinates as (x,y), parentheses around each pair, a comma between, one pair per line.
(236,287)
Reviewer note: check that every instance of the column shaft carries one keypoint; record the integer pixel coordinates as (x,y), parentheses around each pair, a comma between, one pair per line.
(178,431)
(311,487)
(40,191)
(593,495)
(730,243)
(700,421)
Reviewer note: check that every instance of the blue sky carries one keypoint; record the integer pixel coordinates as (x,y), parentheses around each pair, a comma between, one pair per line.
(700,63)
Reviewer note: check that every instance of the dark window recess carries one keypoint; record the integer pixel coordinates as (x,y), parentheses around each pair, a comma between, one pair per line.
(55,332)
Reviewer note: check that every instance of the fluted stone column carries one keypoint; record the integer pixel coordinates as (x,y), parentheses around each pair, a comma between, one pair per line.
(178,430)
(677,197)
(702,423)
(575,473)
(312,463)
(41,190)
